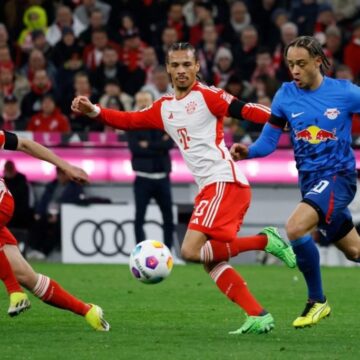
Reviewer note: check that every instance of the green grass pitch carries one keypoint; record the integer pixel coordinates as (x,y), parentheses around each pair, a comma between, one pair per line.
(185,317)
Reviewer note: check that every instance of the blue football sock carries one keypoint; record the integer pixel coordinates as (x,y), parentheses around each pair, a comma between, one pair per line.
(308,260)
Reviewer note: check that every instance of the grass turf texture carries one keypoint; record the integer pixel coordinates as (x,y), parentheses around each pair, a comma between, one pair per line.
(185,317)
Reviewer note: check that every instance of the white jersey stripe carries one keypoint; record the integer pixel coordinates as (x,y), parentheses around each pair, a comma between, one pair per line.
(213,215)
(208,210)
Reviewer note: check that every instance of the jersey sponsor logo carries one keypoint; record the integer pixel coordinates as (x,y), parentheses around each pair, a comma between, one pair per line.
(171,116)
(191,107)
(295,115)
(195,221)
(315,135)
(184,138)
(332,113)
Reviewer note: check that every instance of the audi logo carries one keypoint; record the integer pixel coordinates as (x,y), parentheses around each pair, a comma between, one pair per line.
(107,237)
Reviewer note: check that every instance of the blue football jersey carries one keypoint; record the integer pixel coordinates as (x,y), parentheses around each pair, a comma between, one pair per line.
(320,124)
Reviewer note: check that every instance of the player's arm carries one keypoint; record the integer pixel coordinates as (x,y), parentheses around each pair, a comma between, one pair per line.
(126,120)
(265,144)
(253,112)
(11,141)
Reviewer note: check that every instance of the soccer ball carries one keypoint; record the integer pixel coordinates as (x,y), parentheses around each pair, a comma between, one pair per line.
(150,262)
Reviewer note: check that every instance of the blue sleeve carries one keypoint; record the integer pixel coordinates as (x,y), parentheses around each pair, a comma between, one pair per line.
(354,98)
(266,143)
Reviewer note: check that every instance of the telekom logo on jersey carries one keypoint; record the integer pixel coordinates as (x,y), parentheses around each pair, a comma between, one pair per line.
(184,138)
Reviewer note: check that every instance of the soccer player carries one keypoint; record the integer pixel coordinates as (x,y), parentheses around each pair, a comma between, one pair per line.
(46,289)
(193,118)
(318,111)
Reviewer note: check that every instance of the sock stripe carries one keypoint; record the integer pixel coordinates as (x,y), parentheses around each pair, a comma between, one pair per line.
(41,286)
(206,253)
(216,272)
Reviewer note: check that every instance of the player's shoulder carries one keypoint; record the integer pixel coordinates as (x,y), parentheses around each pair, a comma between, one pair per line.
(213,93)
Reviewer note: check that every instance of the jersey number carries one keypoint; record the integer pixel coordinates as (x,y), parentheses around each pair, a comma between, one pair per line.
(320,187)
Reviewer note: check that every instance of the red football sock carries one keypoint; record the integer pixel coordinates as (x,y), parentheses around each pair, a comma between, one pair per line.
(217,251)
(53,294)
(7,276)
(234,287)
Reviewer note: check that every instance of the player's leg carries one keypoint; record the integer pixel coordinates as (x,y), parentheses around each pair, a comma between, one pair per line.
(350,245)
(162,195)
(50,292)
(19,301)
(217,215)
(231,284)
(298,229)
(142,196)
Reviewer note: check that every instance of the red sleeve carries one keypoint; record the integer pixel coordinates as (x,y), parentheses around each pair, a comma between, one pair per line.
(217,100)
(256,113)
(2,139)
(149,118)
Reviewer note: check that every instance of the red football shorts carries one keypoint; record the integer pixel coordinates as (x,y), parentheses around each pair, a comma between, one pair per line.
(6,212)
(219,210)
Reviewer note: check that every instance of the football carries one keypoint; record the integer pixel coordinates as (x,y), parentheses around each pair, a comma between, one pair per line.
(150,262)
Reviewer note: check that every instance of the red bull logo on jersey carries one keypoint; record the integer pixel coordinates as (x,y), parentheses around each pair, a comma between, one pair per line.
(315,135)
(332,114)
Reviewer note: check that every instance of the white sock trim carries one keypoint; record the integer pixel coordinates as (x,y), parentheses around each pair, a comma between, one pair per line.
(217,271)
(41,286)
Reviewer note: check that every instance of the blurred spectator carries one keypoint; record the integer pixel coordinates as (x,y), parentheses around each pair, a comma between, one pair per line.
(325,18)
(352,51)
(64,18)
(264,65)
(132,50)
(168,37)
(150,160)
(20,190)
(245,52)
(96,23)
(239,19)
(333,44)
(175,19)
(264,86)
(279,17)
(11,118)
(81,86)
(45,235)
(40,86)
(204,15)
(113,89)
(83,11)
(35,18)
(305,15)
(40,42)
(289,32)
(345,10)
(161,83)
(238,87)
(149,63)
(207,50)
(344,72)
(223,67)
(50,119)
(93,53)
(37,61)
(12,83)
(109,69)
(5,42)
(113,102)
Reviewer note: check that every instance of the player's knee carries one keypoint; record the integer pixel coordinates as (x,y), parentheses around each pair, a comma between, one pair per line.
(352,254)
(190,254)
(294,230)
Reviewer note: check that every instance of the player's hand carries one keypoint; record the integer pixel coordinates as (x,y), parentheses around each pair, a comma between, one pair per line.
(82,105)
(239,151)
(76,174)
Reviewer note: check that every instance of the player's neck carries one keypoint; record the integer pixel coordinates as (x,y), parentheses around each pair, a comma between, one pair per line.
(317,82)
(182,92)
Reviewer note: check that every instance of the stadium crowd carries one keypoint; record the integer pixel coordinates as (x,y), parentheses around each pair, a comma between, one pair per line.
(51,51)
